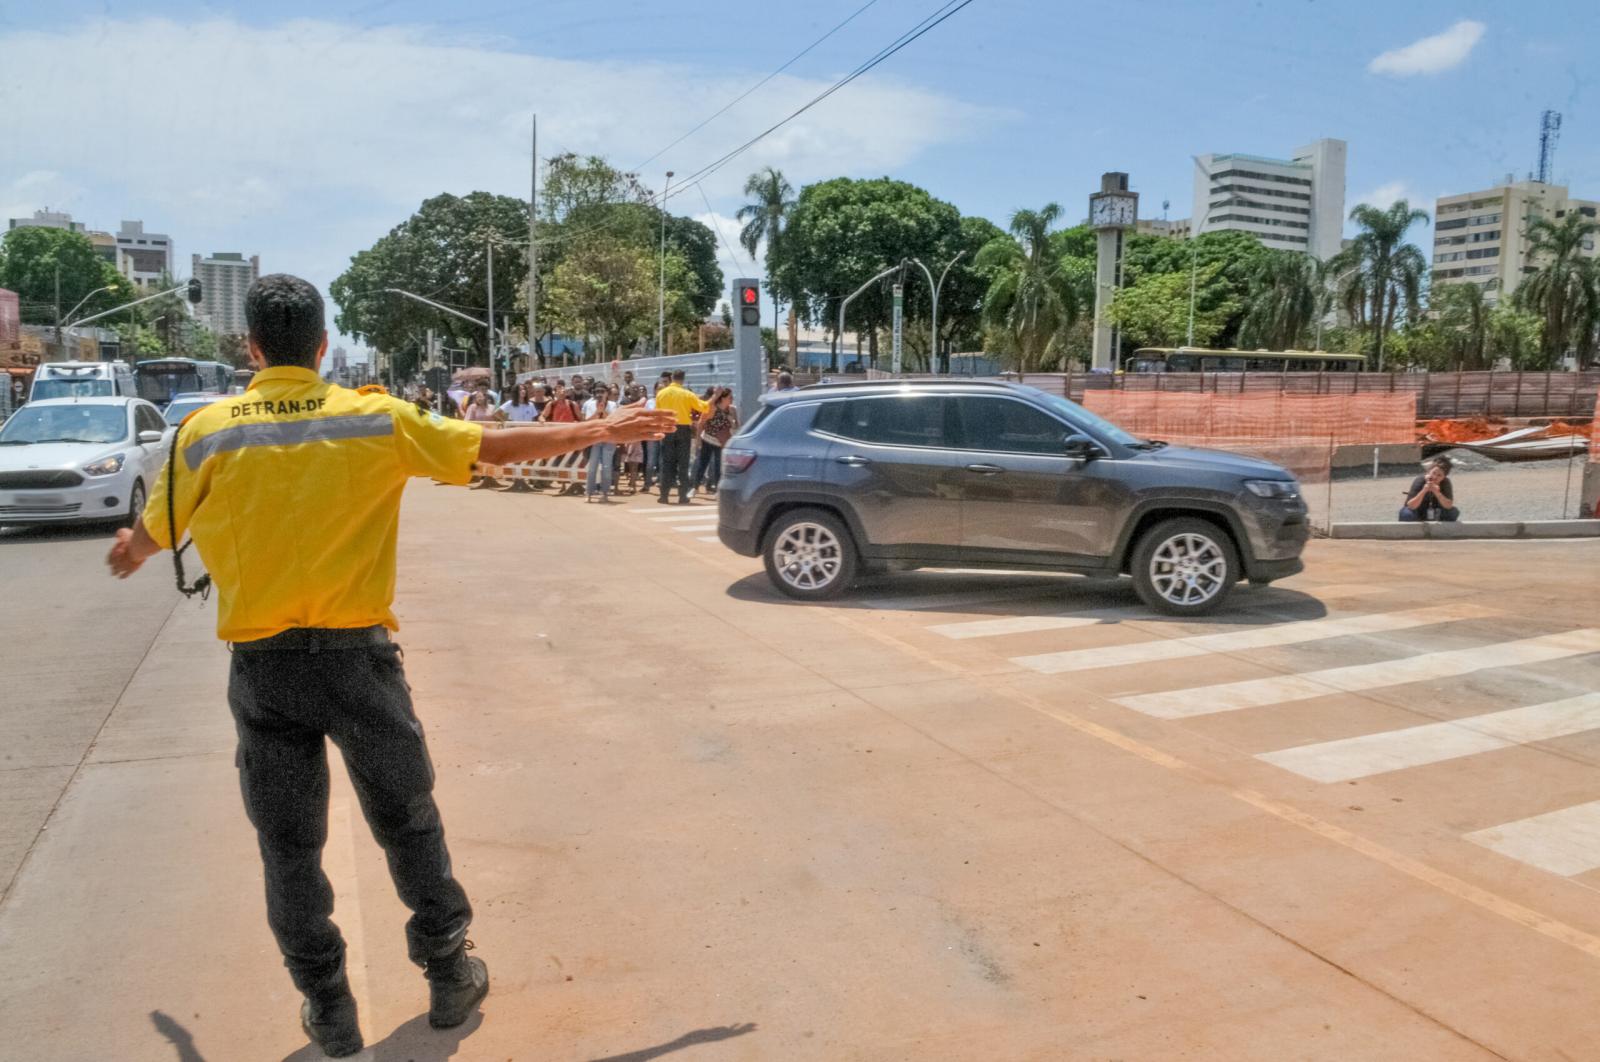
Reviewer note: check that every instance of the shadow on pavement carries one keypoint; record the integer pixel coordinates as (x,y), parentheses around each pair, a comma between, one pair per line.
(177,1036)
(934,592)
(12,536)
(688,1039)
(415,1041)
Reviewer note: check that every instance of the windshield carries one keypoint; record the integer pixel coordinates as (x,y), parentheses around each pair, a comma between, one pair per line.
(159,385)
(69,388)
(87,424)
(1090,422)
(182,408)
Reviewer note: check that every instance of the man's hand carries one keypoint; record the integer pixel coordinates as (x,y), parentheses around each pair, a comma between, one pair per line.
(122,558)
(631,424)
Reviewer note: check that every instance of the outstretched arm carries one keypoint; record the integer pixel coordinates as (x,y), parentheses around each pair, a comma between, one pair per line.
(515,444)
(132,548)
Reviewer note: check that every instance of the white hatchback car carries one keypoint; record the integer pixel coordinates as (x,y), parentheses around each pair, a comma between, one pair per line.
(64,460)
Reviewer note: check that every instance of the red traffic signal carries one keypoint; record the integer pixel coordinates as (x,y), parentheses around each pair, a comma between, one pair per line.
(749,296)
(750,305)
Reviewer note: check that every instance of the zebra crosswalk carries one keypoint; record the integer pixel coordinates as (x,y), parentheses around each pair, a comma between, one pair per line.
(1563,841)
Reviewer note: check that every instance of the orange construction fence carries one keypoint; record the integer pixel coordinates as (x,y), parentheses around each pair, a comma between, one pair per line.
(1200,418)
(1594,432)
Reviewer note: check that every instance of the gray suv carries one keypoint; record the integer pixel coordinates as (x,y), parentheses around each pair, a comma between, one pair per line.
(827,481)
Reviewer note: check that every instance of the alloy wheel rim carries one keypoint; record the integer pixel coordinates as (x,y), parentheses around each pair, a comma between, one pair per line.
(808,556)
(1189,569)
(138,499)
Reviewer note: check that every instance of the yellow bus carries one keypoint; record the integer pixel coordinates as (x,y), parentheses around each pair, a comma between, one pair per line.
(1199,359)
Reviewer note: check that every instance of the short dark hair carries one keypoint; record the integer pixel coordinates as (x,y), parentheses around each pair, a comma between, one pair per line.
(285,318)
(1443,462)
(678,376)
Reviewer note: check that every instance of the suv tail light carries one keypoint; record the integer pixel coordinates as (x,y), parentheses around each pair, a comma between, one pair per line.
(737,460)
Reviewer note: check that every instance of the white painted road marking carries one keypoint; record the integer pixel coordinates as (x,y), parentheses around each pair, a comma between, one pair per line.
(1415,746)
(1256,638)
(1564,842)
(669,517)
(1255,693)
(708,538)
(978,595)
(689,529)
(1011,625)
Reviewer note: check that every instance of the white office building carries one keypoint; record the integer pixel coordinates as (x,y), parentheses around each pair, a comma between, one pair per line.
(1293,204)
(224,278)
(143,257)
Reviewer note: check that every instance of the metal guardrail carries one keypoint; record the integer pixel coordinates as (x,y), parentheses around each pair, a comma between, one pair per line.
(712,368)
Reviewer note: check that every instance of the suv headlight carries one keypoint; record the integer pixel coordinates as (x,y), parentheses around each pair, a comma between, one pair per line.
(105,466)
(1273,488)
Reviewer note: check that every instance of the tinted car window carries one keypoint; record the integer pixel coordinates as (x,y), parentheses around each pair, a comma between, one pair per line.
(1004,425)
(149,420)
(899,420)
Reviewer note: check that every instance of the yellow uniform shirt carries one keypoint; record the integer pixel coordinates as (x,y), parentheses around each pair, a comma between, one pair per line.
(291,492)
(682,402)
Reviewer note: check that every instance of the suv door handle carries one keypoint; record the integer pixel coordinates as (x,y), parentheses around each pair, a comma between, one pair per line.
(853,460)
(985,470)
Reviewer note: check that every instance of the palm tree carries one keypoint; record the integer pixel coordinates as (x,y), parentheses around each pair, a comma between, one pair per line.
(1285,300)
(1032,295)
(1465,310)
(771,200)
(1565,288)
(1385,272)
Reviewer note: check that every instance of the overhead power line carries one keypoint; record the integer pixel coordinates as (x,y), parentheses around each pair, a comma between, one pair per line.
(743,95)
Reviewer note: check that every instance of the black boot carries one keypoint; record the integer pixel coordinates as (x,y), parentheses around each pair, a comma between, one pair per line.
(457,983)
(329,1018)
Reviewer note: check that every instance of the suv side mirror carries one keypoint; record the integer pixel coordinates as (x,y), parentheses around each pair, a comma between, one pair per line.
(150,438)
(1081,448)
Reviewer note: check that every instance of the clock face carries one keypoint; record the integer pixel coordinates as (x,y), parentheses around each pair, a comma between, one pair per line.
(1111,210)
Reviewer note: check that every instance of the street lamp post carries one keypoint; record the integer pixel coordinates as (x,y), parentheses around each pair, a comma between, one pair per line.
(661,324)
(933,350)
(850,297)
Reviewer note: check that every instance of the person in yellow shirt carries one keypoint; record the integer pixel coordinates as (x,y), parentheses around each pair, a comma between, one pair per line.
(291,493)
(683,405)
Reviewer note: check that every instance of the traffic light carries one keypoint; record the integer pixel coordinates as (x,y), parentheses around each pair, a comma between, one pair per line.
(194,290)
(749,304)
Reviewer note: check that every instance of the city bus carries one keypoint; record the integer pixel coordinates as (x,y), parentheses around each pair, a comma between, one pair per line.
(241,380)
(161,378)
(1199,359)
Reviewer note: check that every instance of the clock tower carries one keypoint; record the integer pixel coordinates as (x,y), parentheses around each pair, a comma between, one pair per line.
(1112,211)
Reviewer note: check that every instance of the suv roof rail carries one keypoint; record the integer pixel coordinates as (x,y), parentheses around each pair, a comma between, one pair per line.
(930,381)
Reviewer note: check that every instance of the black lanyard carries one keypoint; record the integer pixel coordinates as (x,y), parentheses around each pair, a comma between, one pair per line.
(202,585)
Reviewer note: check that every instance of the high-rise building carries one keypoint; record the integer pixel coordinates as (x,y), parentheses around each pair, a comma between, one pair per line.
(143,257)
(1177,229)
(1293,204)
(224,279)
(1482,237)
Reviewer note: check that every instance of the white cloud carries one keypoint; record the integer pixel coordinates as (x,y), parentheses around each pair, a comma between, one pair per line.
(1431,55)
(1386,195)
(306,141)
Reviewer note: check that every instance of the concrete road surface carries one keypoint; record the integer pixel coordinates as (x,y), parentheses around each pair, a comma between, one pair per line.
(953,816)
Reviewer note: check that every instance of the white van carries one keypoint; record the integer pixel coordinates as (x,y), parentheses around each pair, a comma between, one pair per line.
(83,379)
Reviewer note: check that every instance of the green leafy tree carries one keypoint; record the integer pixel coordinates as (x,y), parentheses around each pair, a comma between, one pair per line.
(1382,273)
(844,231)
(607,290)
(1236,256)
(1034,293)
(31,259)
(1284,301)
(771,199)
(1518,336)
(1462,312)
(1154,311)
(440,252)
(1565,286)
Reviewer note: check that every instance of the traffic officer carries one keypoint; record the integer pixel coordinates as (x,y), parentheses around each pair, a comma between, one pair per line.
(684,405)
(291,493)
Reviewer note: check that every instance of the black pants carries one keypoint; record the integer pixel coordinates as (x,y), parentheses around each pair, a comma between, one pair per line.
(287,693)
(675,461)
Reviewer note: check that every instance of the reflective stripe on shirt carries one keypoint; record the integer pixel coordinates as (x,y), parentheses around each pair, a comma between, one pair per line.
(287,433)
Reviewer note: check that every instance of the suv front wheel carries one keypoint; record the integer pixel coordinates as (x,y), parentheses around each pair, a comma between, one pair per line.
(1185,566)
(810,555)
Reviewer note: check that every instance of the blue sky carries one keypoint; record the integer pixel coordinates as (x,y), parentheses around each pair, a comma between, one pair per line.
(304,131)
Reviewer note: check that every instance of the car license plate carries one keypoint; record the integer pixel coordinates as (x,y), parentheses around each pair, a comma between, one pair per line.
(41,499)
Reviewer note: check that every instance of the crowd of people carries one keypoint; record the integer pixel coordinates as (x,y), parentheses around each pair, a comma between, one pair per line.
(688,461)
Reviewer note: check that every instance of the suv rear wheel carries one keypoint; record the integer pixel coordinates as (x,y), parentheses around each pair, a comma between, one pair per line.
(1184,566)
(810,555)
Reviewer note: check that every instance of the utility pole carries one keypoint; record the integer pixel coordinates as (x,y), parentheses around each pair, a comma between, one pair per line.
(533,255)
(661,326)
(489,243)
(58,308)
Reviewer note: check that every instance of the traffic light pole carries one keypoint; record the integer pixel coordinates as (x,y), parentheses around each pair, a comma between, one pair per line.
(749,361)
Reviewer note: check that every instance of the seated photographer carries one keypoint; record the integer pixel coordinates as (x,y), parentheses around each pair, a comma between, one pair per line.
(1431,496)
